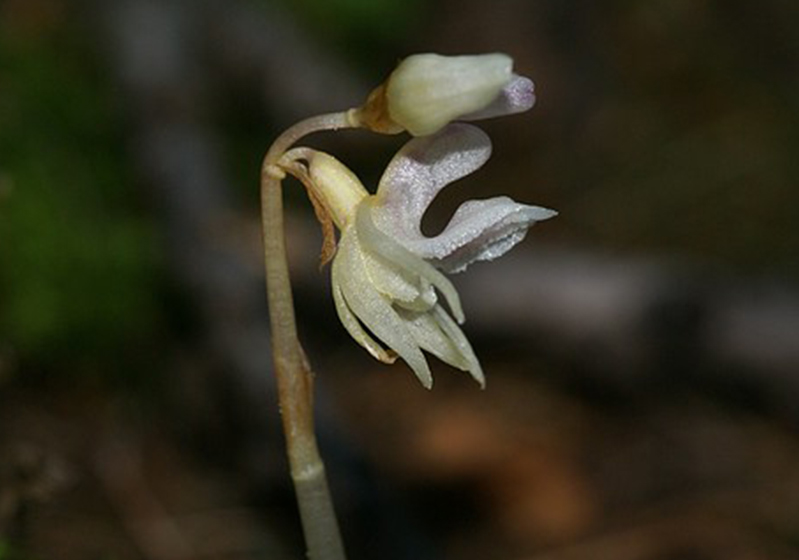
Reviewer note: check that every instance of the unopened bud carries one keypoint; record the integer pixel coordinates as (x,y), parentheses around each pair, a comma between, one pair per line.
(427,91)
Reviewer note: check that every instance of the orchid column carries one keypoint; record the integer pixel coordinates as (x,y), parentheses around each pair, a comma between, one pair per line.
(386,275)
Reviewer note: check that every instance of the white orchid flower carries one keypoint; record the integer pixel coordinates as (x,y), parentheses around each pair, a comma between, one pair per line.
(387,280)
(385,275)
(427,91)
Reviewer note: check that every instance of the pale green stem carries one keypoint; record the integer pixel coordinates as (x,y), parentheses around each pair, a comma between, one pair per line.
(294,376)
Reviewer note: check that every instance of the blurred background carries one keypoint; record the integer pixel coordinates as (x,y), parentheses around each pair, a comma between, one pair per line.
(641,349)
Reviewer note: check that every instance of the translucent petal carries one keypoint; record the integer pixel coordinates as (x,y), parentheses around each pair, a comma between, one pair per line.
(381,245)
(428,334)
(389,280)
(455,334)
(350,321)
(373,309)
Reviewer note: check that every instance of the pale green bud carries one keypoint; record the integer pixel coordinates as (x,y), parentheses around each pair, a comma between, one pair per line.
(336,187)
(427,91)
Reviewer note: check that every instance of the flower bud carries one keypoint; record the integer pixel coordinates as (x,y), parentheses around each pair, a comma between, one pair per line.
(427,91)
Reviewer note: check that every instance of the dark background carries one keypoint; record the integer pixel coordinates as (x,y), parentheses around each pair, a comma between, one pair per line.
(641,349)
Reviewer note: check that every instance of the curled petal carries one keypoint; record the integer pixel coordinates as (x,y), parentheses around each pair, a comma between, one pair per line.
(373,309)
(420,170)
(480,230)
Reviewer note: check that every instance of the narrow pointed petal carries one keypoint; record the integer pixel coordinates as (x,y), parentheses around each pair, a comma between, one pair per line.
(428,334)
(455,334)
(373,310)
(516,97)
(420,170)
(351,323)
(386,248)
(480,230)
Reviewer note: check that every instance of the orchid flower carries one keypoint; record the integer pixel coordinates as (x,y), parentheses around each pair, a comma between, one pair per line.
(386,274)
(388,278)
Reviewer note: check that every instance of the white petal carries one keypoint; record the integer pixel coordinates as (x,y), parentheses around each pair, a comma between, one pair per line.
(384,247)
(516,97)
(437,333)
(455,334)
(350,321)
(420,170)
(428,334)
(388,279)
(400,285)
(480,230)
(373,309)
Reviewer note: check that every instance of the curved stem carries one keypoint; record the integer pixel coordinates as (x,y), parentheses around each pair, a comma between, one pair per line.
(294,376)
(330,121)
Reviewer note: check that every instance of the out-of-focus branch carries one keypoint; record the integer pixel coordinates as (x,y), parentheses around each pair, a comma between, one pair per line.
(631,320)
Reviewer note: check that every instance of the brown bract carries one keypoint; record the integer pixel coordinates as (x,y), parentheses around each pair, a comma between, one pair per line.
(374,115)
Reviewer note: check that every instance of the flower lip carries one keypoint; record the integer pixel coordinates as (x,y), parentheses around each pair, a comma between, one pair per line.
(479,229)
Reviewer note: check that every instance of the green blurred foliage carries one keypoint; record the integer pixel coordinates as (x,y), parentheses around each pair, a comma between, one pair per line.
(359,28)
(78,261)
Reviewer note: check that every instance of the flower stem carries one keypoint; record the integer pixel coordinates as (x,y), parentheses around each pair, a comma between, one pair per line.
(294,376)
